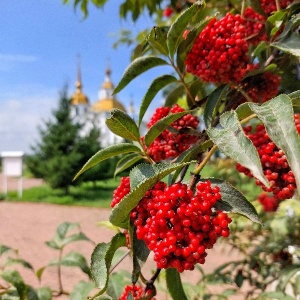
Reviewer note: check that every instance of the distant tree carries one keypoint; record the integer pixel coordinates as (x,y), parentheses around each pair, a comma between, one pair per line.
(61,151)
(89,146)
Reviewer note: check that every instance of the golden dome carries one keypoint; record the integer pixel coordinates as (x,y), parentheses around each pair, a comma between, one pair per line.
(107,104)
(108,85)
(106,100)
(79,97)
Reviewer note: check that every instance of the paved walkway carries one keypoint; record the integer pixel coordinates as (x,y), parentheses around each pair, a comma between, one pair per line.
(26,227)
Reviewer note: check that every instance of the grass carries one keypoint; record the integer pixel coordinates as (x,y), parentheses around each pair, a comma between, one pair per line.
(100,193)
(87,194)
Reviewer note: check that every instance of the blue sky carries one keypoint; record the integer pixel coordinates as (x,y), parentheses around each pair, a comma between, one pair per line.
(39,44)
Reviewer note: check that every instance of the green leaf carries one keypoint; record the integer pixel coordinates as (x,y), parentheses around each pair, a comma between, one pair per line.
(20,261)
(232,141)
(73,259)
(4,249)
(101,260)
(289,44)
(122,125)
(234,201)
(161,125)
(45,293)
(106,153)
(157,39)
(156,85)
(239,278)
(174,285)
(116,284)
(142,178)
(175,33)
(277,295)
(289,39)
(286,275)
(140,253)
(278,118)
(60,239)
(14,278)
(137,67)
(31,293)
(243,111)
(213,103)
(82,290)
(126,162)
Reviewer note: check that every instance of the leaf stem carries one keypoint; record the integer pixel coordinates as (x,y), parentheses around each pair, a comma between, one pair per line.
(205,160)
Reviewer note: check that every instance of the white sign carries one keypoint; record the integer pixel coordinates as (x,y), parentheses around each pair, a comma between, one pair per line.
(12,163)
(12,166)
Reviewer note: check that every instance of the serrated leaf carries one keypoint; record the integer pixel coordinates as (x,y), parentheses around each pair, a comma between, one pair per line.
(101,260)
(278,118)
(157,39)
(14,278)
(232,141)
(106,153)
(175,33)
(140,253)
(137,67)
(126,162)
(174,285)
(156,85)
(122,125)
(82,290)
(142,178)
(213,103)
(234,201)
(163,124)
(31,293)
(73,259)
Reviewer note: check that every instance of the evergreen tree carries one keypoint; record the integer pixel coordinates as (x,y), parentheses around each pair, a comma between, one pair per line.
(61,152)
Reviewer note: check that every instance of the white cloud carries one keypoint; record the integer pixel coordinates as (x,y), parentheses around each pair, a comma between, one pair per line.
(18,58)
(20,115)
(9,61)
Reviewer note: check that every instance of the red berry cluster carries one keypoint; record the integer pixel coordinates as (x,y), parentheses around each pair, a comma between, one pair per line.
(255,26)
(269,6)
(274,163)
(169,144)
(135,290)
(268,202)
(261,88)
(219,53)
(179,226)
(121,191)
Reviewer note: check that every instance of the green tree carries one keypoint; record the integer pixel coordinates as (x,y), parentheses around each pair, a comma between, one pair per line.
(61,150)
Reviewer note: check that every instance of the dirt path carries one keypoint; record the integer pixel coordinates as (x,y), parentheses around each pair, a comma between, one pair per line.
(26,227)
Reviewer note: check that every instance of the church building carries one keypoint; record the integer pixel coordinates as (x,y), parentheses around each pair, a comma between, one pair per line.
(95,114)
